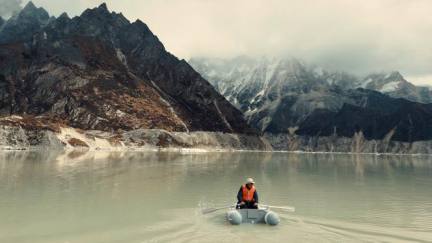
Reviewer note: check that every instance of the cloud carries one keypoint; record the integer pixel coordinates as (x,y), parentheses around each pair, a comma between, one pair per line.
(7,7)
(351,35)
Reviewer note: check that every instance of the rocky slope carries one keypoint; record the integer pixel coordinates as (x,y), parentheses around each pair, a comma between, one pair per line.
(27,132)
(299,107)
(101,72)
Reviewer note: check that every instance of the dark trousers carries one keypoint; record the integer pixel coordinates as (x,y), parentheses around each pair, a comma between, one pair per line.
(249,205)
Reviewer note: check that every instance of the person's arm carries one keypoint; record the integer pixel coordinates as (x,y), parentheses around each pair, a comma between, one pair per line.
(239,196)
(256,196)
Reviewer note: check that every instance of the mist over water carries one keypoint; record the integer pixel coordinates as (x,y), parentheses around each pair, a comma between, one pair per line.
(62,196)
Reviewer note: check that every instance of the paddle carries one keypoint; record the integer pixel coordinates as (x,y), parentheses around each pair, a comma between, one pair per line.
(211,210)
(284,208)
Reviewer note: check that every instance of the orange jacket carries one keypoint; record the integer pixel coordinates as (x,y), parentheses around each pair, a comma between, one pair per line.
(247,195)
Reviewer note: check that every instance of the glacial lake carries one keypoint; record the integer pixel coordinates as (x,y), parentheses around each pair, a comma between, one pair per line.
(72,196)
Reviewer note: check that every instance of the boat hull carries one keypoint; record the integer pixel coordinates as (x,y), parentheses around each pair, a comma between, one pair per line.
(253,216)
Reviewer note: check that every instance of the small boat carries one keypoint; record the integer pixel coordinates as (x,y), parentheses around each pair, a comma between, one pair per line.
(262,215)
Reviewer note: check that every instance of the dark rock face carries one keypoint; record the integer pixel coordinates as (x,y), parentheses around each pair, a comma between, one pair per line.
(406,121)
(22,27)
(370,112)
(1,21)
(373,114)
(99,71)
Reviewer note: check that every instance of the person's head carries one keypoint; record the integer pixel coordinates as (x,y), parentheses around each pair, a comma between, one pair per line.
(250,183)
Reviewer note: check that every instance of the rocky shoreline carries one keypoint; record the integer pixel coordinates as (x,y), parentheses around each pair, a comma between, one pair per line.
(23,133)
(356,145)
(18,133)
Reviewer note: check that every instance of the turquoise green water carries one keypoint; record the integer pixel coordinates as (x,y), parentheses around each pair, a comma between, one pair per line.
(154,197)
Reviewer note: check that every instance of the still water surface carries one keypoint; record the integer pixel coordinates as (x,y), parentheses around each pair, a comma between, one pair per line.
(154,197)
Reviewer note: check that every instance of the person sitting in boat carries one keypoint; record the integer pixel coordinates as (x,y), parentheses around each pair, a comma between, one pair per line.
(247,196)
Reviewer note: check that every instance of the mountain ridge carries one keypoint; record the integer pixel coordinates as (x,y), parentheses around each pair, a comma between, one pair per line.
(99,71)
(391,83)
(98,79)
(288,98)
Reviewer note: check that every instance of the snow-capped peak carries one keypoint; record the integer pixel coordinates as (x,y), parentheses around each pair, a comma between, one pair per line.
(390,87)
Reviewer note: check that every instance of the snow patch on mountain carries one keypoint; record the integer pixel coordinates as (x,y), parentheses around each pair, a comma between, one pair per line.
(318,71)
(271,70)
(365,84)
(390,87)
(169,106)
(121,56)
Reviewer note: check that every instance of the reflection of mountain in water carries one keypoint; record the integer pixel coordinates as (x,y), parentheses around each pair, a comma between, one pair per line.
(75,162)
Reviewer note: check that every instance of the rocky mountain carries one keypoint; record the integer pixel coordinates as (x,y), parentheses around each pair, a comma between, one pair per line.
(224,72)
(395,85)
(276,94)
(98,71)
(286,98)
(23,26)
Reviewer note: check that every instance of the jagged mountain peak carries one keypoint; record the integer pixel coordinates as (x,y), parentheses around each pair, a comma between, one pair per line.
(99,71)
(92,12)
(30,10)
(30,6)
(103,6)
(396,76)
(386,76)
(23,26)
(141,25)
(96,13)
(101,16)
(387,82)
(64,15)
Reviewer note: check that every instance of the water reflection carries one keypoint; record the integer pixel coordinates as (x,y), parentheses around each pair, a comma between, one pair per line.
(76,196)
(310,161)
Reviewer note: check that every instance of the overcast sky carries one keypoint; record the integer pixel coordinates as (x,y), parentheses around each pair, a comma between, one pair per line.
(352,35)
